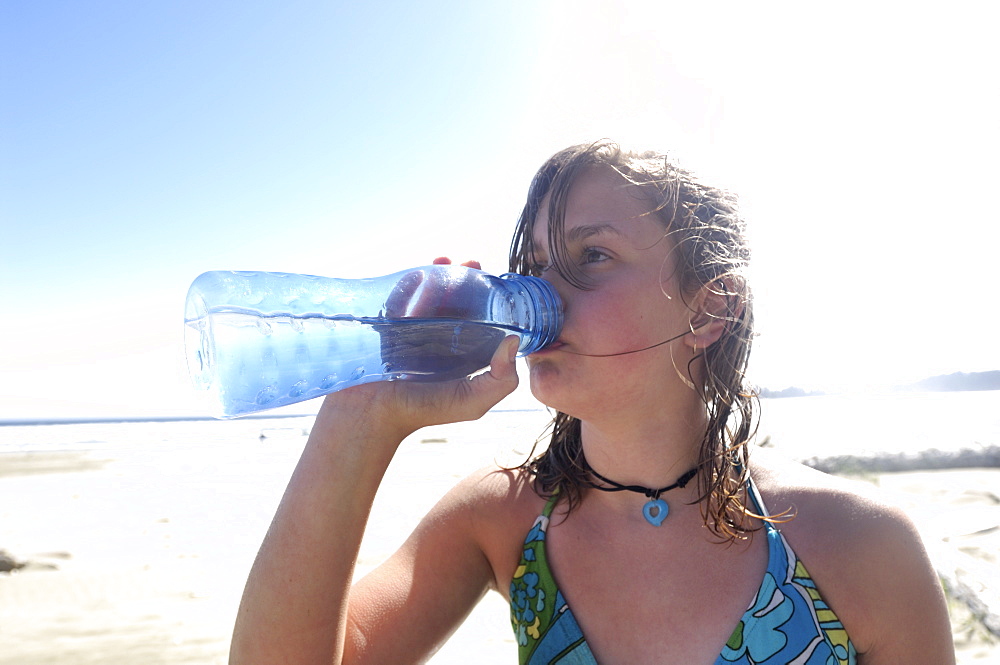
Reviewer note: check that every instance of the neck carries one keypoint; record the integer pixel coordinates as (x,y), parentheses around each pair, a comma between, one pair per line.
(606,484)
(650,453)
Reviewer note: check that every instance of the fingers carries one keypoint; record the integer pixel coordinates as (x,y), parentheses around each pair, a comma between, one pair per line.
(442,297)
(456,294)
(445,261)
(398,301)
(404,406)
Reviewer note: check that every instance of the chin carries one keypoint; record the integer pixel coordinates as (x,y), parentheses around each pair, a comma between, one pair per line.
(554,392)
(545,384)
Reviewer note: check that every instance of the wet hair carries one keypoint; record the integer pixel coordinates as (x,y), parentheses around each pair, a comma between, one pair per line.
(710,251)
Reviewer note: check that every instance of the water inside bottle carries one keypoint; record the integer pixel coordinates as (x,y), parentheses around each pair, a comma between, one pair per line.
(257,361)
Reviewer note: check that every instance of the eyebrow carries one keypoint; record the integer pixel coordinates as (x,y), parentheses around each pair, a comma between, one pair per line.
(578,233)
(585,231)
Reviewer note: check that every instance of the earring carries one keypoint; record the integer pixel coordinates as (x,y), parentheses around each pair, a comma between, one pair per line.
(686,380)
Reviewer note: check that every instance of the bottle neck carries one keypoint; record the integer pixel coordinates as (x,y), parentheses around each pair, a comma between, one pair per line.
(544,310)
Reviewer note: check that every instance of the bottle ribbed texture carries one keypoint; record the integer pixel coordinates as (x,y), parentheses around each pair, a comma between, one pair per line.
(260,340)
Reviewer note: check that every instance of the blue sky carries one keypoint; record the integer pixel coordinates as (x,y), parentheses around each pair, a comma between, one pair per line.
(142,143)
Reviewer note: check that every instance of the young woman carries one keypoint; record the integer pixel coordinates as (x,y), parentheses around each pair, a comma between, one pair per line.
(646,532)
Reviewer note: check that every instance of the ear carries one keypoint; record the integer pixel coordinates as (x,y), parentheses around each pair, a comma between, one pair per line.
(715,306)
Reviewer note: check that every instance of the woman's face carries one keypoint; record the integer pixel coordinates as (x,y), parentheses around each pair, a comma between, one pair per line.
(633,303)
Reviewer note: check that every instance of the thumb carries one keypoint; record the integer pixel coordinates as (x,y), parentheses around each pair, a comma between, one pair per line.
(501,379)
(502,365)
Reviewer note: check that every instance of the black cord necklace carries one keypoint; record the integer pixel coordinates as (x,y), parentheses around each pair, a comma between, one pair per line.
(656,509)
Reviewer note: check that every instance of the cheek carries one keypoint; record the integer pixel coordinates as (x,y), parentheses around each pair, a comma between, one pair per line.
(623,324)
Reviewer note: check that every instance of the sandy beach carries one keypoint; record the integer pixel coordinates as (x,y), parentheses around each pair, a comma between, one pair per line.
(138,553)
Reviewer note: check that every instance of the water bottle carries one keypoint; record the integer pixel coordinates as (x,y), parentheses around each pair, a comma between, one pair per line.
(260,340)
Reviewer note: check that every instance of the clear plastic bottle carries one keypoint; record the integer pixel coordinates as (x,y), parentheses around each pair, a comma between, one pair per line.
(260,340)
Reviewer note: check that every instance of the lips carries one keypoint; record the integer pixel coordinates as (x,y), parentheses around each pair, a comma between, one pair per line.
(554,346)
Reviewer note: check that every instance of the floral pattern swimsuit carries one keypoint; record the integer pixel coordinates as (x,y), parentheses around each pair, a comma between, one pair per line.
(787,622)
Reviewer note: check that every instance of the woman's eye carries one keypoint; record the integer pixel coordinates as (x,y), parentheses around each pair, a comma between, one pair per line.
(593,255)
(537,269)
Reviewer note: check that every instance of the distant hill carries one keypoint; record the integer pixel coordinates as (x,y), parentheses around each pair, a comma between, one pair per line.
(958,381)
(944,383)
(791,391)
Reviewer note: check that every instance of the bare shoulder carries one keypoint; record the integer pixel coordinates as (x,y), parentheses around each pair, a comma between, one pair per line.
(826,518)
(497,506)
(865,555)
(818,501)
(497,493)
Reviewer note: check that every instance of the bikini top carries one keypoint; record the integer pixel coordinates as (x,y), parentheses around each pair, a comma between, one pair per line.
(787,622)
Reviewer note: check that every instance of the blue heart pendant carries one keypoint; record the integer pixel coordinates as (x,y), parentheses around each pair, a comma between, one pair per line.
(655,511)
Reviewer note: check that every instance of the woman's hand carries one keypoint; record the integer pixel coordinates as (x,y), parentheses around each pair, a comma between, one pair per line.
(421,404)
(462,399)
(445,261)
(407,405)
(425,294)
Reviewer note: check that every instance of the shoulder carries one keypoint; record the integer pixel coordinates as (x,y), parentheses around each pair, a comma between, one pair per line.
(495,492)
(824,506)
(495,507)
(833,523)
(865,555)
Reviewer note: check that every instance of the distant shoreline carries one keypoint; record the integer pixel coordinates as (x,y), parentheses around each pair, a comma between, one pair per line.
(14,422)
(108,420)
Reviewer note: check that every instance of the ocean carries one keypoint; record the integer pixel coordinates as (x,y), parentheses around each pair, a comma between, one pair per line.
(802,427)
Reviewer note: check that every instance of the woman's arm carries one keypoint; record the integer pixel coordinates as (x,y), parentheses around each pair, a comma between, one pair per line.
(295,605)
(442,571)
(909,616)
